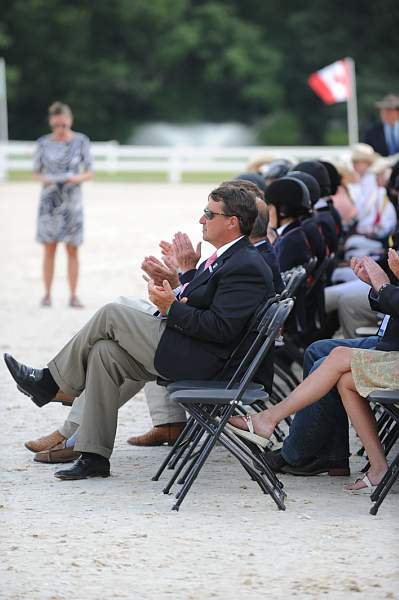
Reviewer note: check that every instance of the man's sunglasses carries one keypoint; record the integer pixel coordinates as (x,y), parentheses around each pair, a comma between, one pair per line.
(209,214)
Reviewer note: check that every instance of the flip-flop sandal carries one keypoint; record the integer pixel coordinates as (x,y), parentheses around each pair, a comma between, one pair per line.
(74,302)
(367,490)
(250,434)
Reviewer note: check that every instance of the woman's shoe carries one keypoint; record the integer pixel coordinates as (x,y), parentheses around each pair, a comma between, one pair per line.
(46,301)
(249,435)
(75,302)
(368,488)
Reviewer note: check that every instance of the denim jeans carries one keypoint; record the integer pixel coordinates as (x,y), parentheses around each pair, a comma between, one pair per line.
(321,430)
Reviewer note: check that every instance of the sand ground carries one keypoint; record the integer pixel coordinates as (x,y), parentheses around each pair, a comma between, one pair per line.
(117,538)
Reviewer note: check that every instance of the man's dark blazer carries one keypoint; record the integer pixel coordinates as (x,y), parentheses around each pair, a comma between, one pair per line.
(292,247)
(387,302)
(201,334)
(266,250)
(375,137)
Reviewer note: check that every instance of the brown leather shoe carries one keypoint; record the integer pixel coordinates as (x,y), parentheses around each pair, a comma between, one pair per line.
(45,443)
(58,454)
(159,435)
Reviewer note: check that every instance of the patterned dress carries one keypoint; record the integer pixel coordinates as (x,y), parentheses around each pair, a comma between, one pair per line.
(375,370)
(60,215)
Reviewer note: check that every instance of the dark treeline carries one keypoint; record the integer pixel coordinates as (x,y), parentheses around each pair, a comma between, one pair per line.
(124,62)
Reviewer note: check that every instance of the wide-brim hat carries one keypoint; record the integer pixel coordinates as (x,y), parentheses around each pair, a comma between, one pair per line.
(389,101)
(363,152)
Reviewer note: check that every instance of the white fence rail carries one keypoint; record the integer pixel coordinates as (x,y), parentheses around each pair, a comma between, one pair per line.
(110,157)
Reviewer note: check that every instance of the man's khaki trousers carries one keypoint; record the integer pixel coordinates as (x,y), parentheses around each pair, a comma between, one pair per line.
(117,344)
(161,409)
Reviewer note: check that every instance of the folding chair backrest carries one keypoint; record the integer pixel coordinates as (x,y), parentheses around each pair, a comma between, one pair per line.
(268,329)
(292,280)
(253,327)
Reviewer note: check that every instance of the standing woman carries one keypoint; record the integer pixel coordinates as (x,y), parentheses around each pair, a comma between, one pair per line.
(62,163)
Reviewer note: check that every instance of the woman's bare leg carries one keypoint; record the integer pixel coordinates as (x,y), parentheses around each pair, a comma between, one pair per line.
(362,418)
(49,251)
(314,387)
(73,268)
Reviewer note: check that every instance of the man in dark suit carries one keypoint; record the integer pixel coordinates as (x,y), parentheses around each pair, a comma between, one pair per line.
(384,136)
(188,337)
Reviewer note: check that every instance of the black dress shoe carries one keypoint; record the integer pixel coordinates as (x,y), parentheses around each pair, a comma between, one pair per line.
(35,383)
(317,466)
(87,465)
(275,460)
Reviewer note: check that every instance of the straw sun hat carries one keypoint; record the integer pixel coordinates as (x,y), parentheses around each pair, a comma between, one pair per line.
(363,152)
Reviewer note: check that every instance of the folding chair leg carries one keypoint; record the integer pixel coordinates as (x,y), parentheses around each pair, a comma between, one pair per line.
(188,458)
(384,487)
(180,440)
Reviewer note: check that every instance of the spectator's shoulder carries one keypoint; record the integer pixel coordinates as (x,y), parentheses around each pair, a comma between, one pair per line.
(82,137)
(43,139)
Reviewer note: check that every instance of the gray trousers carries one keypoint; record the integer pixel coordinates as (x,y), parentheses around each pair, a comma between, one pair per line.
(351,301)
(117,344)
(162,410)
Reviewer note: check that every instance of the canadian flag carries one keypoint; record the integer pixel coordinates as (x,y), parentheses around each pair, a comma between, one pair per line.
(332,83)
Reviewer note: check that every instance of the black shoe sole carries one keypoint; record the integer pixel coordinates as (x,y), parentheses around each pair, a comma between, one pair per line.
(39,403)
(63,478)
(331,471)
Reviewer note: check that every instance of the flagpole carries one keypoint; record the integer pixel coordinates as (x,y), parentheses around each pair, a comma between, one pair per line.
(3,119)
(353,126)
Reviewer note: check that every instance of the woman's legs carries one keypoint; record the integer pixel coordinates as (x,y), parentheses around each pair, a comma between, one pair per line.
(73,271)
(362,419)
(314,387)
(48,269)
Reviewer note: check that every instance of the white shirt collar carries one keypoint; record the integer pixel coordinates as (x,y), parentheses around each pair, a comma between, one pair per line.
(223,249)
(280,229)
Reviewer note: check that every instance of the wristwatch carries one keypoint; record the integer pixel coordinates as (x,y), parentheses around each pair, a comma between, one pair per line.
(384,285)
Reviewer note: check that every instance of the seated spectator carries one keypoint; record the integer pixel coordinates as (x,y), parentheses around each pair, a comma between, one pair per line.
(176,340)
(342,199)
(318,440)
(309,222)
(326,215)
(376,216)
(288,200)
(168,419)
(276,169)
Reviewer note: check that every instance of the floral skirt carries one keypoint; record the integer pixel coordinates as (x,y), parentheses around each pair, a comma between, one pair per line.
(375,370)
(60,216)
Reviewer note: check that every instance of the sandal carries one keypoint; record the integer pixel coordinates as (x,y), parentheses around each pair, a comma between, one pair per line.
(46,301)
(75,302)
(368,489)
(249,435)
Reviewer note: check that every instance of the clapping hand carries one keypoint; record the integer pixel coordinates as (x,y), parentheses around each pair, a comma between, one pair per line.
(393,262)
(186,257)
(162,295)
(376,275)
(159,272)
(168,255)
(359,269)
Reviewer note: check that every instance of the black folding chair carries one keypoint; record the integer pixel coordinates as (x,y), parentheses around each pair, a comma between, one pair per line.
(192,430)
(211,407)
(388,400)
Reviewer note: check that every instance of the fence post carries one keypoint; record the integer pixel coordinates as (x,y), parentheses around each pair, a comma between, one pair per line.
(3,161)
(175,165)
(111,159)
